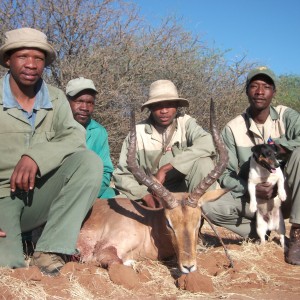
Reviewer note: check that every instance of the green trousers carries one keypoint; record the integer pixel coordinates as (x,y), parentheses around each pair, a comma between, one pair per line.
(60,200)
(234,214)
(178,182)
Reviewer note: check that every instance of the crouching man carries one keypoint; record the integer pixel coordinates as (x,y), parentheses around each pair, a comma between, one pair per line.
(47,176)
(258,124)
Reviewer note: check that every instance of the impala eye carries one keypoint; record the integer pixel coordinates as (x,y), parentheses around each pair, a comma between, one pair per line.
(168,224)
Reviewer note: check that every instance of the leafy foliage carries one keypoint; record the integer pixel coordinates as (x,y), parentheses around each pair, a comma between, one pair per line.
(289,91)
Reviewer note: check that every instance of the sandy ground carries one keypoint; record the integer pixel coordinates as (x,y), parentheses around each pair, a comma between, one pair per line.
(259,272)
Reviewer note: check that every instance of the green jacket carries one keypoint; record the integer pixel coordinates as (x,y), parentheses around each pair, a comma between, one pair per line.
(56,136)
(283,126)
(97,141)
(189,143)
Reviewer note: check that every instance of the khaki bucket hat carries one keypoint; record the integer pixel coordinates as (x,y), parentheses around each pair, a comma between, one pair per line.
(79,84)
(27,38)
(164,90)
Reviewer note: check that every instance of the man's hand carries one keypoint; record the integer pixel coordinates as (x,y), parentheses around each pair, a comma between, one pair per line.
(23,177)
(151,201)
(162,173)
(2,233)
(266,190)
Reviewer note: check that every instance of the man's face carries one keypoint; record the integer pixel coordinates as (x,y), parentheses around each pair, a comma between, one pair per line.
(164,112)
(260,92)
(26,66)
(82,106)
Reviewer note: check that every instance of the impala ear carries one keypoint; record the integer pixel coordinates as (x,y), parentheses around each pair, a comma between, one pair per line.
(212,196)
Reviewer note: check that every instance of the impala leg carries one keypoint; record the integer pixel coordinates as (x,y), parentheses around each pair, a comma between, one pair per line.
(105,257)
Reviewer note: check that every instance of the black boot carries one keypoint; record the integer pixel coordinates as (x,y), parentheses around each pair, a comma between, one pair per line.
(293,254)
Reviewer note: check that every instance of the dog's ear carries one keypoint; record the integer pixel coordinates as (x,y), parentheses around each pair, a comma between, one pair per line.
(255,151)
(254,148)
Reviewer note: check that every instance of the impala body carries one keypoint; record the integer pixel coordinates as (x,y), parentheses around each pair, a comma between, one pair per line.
(120,230)
(126,228)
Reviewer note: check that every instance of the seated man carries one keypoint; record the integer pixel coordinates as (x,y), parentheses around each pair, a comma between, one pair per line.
(260,122)
(170,145)
(81,93)
(47,175)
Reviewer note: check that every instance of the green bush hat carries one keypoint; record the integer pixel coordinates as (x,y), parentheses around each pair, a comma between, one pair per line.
(261,70)
(27,38)
(79,84)
(164,90)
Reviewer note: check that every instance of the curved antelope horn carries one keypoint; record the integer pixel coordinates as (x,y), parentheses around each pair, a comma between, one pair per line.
(220,167)
(139,174)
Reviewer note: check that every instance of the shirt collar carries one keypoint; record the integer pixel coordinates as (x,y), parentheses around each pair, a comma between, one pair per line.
(273,113)
(149,127)
(42,99)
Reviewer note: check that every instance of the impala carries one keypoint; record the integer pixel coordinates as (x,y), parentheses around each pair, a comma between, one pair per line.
(122,231)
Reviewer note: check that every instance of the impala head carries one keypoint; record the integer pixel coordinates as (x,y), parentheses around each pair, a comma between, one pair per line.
(183,210)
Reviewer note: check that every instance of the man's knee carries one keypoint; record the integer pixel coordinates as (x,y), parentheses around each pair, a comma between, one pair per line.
(214,211)
(221,209)
(292,167)
(88,164)
(199,171)
(88,159)
(296,155)
(203,165)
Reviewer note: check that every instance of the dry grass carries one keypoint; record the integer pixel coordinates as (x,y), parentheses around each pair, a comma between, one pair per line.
(20,289)
(258,269)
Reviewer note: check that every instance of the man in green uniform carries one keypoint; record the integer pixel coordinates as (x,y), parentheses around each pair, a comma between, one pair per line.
(261,122)
(170,144)
(46,176)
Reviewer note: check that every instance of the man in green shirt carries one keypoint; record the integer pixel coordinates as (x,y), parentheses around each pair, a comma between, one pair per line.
(81,93)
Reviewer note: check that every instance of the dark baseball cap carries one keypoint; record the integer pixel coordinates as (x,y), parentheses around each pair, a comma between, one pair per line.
(261,71)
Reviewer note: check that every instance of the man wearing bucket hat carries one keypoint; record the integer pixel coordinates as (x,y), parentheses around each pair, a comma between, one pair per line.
(47,175)
(169,144)
(261,123)
(81,93)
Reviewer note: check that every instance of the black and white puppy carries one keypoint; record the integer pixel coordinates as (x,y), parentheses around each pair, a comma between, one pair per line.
(264,167)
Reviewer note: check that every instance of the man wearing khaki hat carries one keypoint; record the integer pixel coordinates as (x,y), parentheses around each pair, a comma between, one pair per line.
(47,175)
(260,123)
(81,93)
(169,144)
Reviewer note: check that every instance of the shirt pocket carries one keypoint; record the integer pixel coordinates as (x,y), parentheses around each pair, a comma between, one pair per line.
(42,137)
(177,148)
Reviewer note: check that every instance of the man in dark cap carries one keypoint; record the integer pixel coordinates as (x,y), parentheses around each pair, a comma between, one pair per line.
(259,124)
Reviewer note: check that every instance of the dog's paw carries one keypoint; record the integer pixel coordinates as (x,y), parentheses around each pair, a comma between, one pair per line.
(282,195)
(253,207)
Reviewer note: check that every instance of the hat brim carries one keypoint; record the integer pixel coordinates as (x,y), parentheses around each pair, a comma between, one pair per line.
(47,48)
(181,102)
